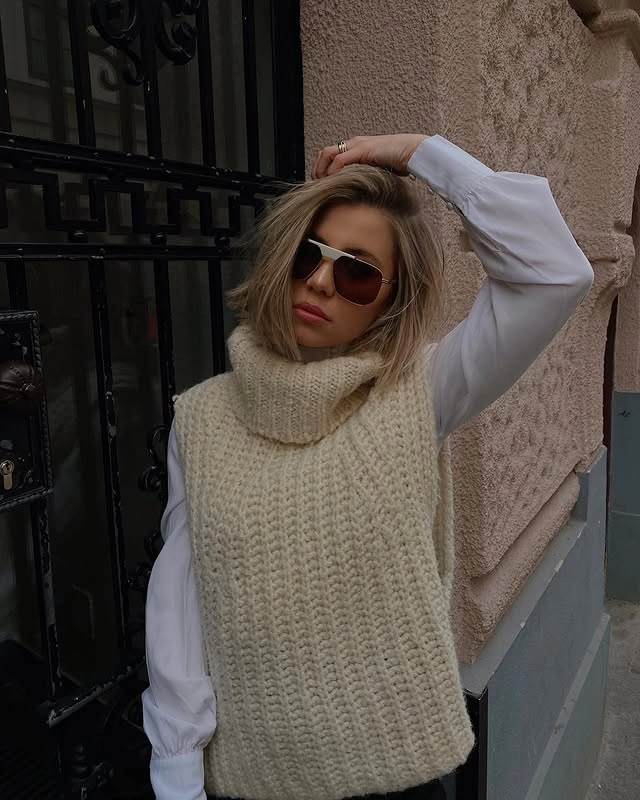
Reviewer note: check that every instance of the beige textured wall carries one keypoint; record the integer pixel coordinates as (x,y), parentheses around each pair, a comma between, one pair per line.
(524,85)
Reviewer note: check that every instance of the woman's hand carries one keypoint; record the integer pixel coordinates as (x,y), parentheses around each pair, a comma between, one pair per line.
(392,152)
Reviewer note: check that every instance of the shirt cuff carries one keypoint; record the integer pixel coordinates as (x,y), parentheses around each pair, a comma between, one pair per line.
(447,169)
(179,777)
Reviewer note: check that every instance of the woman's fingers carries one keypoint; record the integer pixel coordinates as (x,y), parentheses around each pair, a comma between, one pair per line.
(325,159)
(330,160)
(356,155)
(389,151)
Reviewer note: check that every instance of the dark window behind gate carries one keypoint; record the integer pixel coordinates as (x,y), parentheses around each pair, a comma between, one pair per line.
(138,140)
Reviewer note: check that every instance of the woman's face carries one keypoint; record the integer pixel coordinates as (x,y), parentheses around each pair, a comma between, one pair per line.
(364,232)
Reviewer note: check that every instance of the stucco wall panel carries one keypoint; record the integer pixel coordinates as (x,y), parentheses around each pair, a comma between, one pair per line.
(627,348)
(358,76)
(371,67)
(525,86)
(538,440)
(627,356)
(606,164)
(533,62)
(478,610)
(527,445)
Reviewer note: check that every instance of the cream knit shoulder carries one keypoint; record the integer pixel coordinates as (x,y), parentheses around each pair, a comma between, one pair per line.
(321,520)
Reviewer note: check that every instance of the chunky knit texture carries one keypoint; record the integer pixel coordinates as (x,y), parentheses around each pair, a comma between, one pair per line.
(321,520)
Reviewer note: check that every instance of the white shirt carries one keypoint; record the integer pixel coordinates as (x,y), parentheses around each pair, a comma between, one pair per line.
(537,275)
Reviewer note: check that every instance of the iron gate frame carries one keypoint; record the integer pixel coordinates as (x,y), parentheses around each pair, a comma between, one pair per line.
(37,162)
(40,163)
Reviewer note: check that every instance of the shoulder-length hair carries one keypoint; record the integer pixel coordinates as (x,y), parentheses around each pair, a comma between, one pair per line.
(400,333)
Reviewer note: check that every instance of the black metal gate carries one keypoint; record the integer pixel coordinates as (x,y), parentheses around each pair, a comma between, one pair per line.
(133,135)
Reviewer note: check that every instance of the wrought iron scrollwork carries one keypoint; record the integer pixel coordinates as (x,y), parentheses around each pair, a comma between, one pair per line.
(177,41)
(121,30)
(108,75)
(153,479)
(122,22)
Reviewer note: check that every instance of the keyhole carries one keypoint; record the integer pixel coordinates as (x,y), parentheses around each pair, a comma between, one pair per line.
(6,468)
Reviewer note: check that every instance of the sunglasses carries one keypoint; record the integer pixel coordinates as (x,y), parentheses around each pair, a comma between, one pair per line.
(355,280)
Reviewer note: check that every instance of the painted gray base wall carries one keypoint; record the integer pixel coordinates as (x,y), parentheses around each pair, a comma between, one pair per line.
(623,535)
(544,669)
(568,760)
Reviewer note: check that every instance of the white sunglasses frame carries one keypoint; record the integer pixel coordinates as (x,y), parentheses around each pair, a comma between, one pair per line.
(333,255)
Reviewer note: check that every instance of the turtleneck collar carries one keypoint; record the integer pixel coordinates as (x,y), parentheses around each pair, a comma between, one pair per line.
(293,401)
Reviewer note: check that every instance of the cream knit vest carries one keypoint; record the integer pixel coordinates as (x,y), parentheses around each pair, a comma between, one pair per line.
(321,521)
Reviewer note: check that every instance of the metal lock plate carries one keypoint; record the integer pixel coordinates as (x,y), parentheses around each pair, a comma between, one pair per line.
(25,466)
(15,470)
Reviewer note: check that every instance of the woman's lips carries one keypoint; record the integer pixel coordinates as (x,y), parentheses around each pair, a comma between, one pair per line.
(309,313)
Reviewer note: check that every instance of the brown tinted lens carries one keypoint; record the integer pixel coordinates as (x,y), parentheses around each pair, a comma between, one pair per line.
(307,259)
(356,280)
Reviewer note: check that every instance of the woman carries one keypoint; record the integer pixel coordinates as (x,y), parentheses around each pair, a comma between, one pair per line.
(300,606)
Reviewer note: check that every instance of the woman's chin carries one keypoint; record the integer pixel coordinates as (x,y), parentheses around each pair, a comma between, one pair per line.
(307,336)
(313,343)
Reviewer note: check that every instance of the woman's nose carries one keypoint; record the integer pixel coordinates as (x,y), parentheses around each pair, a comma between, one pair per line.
(322,279)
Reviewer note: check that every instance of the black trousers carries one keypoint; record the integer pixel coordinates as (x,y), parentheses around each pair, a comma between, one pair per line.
(433,790)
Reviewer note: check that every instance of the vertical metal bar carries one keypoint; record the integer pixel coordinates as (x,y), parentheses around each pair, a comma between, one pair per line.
(102,339)
(44,589)
(55,74)
(80,377)
(482,736)
(76,12)
(471,777)
(108,431)
(50,643)
(150,85)
(5,111)
(126,110)
(205,82)
(160,267)
(250,86)
(287,89)
(142,359)
(165,337)
(19,299)
(181,108)
(216,307)
(17,283)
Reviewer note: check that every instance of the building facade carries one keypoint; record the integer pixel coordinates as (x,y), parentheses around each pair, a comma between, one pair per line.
(137,142)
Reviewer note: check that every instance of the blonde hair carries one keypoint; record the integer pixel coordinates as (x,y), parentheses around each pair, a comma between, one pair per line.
(400,333)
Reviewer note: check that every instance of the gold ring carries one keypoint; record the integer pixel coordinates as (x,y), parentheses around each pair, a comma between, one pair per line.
(342,146)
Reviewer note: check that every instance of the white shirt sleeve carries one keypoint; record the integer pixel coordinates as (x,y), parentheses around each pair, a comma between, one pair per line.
(537,276)
(179,705)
